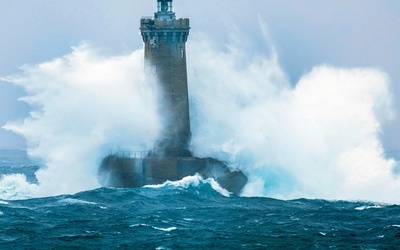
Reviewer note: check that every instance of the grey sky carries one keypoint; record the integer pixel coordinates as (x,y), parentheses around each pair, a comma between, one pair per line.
(358,33)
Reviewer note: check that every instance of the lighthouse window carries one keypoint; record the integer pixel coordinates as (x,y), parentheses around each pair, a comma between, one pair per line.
(153,42)
(182,54)
(164,5)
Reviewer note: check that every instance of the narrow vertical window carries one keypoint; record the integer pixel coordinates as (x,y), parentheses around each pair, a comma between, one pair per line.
(153,42)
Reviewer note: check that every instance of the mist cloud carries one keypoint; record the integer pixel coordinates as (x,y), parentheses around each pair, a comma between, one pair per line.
(319,139)
(84,107)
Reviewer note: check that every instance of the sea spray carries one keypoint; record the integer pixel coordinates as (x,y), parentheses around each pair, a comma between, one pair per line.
(16,187)
(318,139)
(84,107)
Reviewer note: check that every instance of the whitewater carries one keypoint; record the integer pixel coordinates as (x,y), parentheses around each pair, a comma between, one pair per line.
(318,138)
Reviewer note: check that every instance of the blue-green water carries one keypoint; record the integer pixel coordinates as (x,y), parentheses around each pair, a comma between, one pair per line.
(191,216)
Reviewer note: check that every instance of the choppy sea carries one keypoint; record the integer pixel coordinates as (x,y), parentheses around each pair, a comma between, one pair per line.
(188,214)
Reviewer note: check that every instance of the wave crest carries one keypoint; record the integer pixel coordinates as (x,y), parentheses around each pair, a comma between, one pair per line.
(16,187)
(193,182)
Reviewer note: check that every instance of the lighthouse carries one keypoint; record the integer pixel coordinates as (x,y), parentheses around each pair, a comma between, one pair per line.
(164,38)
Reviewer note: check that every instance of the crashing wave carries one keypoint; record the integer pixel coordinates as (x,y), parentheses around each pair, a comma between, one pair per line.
(16,187)
(192,181)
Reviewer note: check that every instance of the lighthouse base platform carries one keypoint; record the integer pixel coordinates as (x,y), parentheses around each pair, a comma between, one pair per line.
(126,172)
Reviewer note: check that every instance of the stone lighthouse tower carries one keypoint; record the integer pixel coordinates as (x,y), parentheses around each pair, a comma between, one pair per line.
(164,37)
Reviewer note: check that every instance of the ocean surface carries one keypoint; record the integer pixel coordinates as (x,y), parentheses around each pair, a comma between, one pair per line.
(188,214)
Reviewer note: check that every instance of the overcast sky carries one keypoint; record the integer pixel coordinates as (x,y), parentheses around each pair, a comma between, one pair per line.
(306,33)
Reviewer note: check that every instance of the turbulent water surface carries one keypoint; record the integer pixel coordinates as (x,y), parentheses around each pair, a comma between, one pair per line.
(188,214)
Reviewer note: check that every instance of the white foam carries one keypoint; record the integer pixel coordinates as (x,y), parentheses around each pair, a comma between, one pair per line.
(368,207)
(76,201)
(162,248)
(139,225)
(16,187)
(169,229)
(194,180)
(184,182)
(215,185)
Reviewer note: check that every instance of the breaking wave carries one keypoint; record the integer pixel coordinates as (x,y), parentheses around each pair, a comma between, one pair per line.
(195,182)
(84,107)
(316,138)
(16,187)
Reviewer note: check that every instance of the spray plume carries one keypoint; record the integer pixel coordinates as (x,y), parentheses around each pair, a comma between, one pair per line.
(319,139)
(84,107)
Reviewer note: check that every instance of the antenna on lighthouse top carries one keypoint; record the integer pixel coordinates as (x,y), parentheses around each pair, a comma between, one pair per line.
(164,10)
